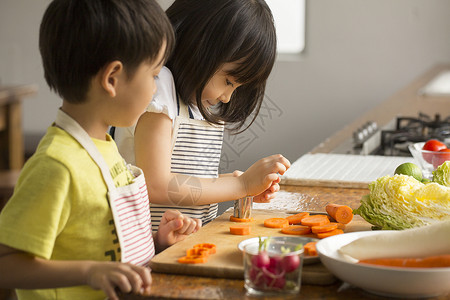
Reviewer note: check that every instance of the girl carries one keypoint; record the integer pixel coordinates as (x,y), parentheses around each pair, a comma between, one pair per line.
(224,53)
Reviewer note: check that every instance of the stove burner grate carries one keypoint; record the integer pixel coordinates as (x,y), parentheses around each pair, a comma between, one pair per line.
(413,130)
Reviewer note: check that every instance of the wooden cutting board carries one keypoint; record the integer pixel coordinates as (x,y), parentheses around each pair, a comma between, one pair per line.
(228,262)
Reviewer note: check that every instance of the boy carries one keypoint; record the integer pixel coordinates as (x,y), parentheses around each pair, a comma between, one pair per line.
(77,209)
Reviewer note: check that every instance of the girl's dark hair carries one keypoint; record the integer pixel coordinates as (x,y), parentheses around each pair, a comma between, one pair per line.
(80,37)
(210,33)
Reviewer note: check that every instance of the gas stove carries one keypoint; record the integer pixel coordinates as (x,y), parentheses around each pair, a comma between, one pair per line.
(394,138)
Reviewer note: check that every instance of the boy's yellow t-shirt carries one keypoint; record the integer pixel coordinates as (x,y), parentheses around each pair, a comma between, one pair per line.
(60,211)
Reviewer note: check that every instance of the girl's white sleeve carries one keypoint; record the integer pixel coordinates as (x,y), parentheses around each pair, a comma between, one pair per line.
(165,100)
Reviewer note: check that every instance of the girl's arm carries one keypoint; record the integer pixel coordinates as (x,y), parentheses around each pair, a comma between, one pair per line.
(153,154)
(29,272)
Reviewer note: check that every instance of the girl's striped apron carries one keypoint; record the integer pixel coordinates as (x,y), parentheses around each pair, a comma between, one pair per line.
(196,150)
(129,204)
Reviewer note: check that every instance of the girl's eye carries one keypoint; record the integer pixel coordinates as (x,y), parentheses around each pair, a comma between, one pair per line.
(229,82)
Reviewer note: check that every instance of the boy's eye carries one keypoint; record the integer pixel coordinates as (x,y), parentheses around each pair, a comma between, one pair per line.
(229,82)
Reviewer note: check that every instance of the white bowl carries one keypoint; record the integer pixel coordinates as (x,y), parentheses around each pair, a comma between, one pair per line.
(385,281)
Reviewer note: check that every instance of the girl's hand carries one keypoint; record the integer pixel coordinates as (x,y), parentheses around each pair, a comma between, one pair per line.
(174,227)
(127,277)
(261,179)
(268,194)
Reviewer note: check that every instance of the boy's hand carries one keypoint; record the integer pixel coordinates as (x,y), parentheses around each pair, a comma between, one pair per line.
(262,178)
(127,277)
(175,227)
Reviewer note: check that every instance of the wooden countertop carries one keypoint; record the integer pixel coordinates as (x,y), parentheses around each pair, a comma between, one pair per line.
(406,102)
(169,286)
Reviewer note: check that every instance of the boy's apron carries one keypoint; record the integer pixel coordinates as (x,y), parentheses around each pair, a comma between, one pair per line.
(196,150)
(129,204)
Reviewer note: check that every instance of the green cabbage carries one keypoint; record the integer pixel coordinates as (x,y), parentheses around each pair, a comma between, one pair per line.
(442,174)
(400,202)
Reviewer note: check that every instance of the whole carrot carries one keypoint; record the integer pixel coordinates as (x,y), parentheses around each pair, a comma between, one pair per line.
(341,213)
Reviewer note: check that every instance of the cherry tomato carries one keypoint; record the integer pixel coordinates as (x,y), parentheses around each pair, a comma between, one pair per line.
(441,157)
(432,145)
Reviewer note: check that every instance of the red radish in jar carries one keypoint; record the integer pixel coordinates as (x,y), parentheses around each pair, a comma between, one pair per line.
(290,263)
(261,260)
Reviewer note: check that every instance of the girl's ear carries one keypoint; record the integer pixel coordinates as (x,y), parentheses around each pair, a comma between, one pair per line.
(111,77)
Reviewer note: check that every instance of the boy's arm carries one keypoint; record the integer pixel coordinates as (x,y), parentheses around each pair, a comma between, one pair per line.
(29,272)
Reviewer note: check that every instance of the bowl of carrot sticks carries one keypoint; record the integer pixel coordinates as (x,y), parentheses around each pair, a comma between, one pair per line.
(400,277)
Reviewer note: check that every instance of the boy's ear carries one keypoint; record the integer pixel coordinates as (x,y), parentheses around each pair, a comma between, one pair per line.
(111,76)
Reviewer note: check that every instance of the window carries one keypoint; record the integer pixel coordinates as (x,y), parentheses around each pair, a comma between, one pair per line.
(289,17)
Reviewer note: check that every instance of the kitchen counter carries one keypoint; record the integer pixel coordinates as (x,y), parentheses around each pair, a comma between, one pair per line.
(409,101)
(169,286)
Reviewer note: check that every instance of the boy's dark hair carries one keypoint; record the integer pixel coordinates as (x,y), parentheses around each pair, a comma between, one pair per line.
(79,37)
(210,33)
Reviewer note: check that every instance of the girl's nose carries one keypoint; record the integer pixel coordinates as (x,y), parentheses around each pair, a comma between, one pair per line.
(226,96)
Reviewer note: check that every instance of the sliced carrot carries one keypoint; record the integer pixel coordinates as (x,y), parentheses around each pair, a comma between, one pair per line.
(310,249)
(438,261)
(341,213)
(329,233)
(209,246)
(197,252)
(235,219)
(194,259)
(339,225)
(276,222)
(296,230)
(297,218)
(324,228)
(315,220)
(240,229)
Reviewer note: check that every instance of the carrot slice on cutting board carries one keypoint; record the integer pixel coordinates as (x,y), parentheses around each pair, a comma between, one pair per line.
(297,218)
(209,246)
(296,230)
(329,233)
(315,220)
(341,213)
(240,229)
(197,252)
(339,225)
(236,219)
(194,259)
(310,249)
(324,228)
(276,222)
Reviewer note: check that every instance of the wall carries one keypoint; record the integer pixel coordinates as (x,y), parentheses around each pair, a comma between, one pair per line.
(357,54)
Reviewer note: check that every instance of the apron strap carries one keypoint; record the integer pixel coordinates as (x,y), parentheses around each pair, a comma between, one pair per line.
(64,121)
(183,109)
